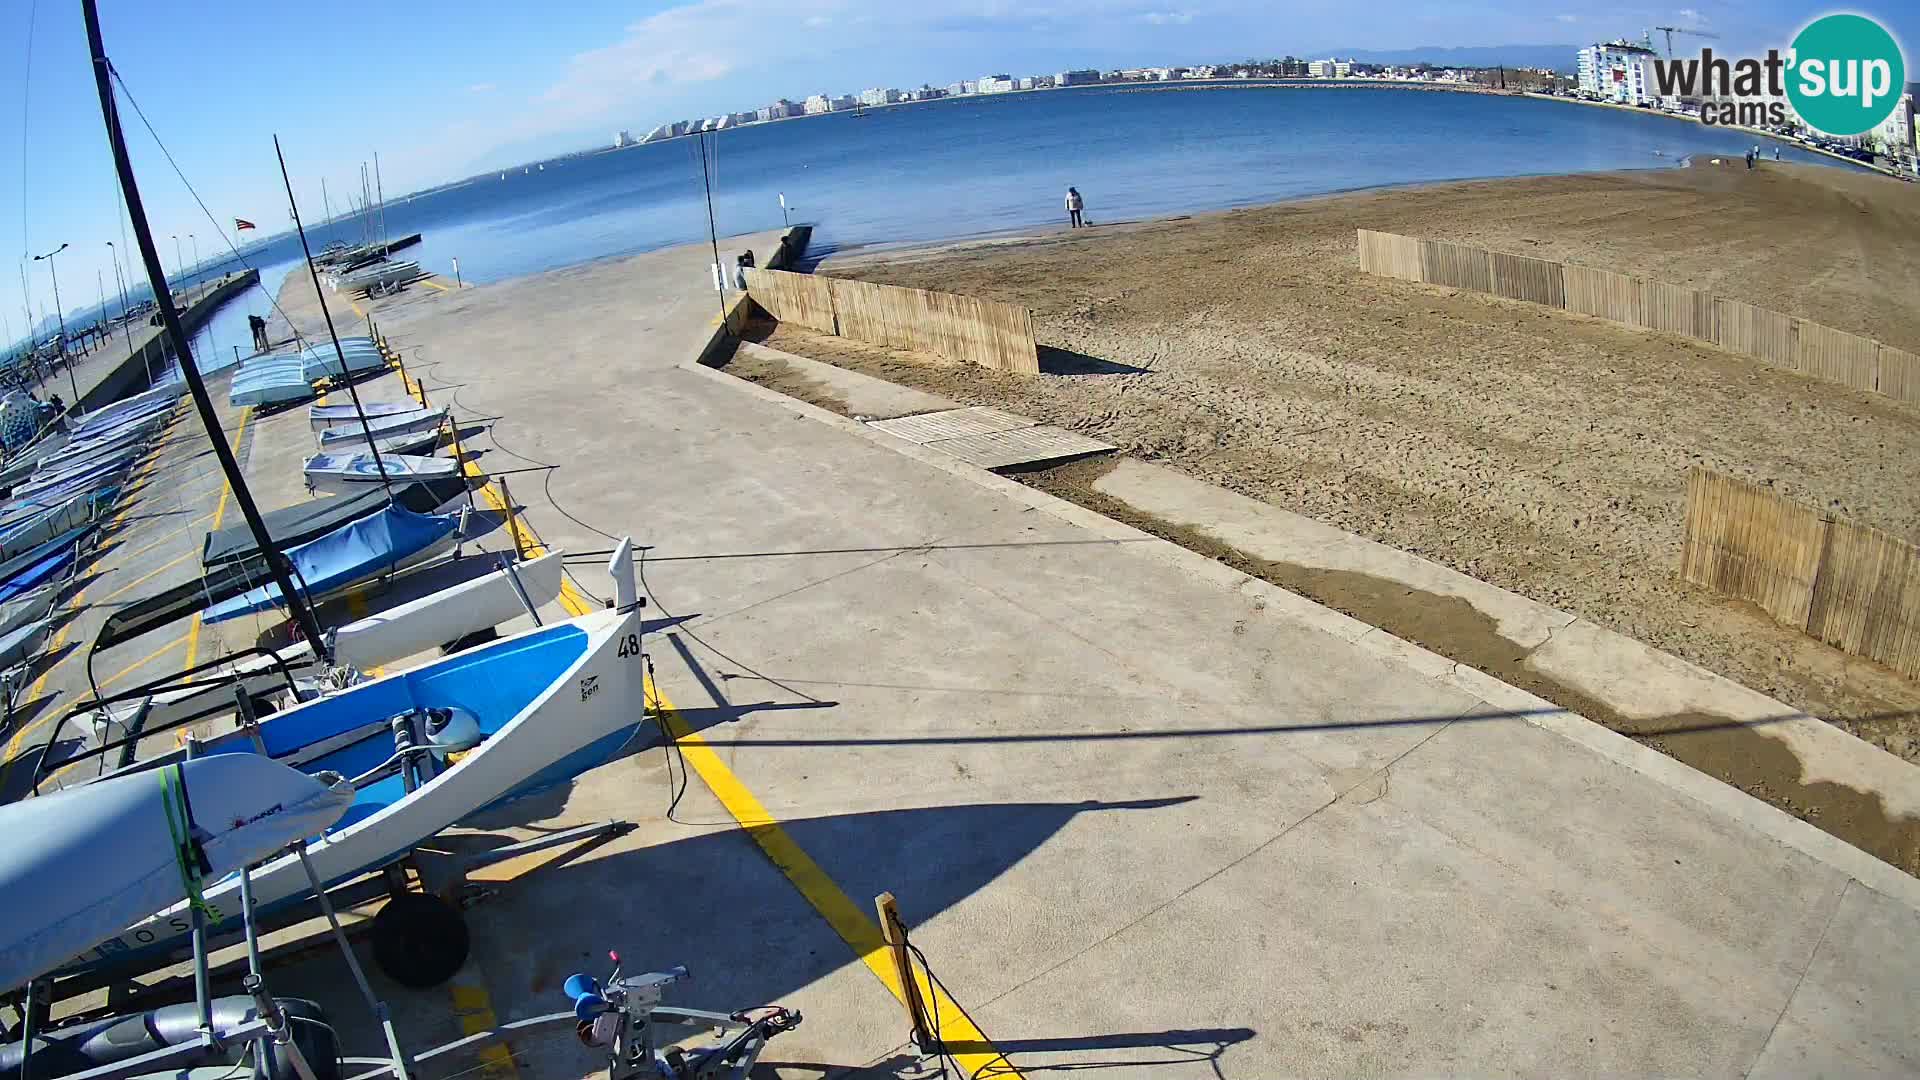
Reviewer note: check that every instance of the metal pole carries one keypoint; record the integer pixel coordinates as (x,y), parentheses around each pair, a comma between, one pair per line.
(175,333)
(456,275)
(62,318)
(196,258)
(345,375)
(713,235)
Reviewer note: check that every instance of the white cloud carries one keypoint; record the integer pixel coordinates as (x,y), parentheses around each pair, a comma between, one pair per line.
(1166,18)
(1690,16)
(1568,18)
(481,88)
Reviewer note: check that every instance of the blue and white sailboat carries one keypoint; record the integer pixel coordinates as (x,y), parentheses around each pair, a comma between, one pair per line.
(432,747)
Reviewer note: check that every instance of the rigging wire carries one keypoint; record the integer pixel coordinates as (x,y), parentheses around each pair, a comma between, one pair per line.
(26,99)
(215,222)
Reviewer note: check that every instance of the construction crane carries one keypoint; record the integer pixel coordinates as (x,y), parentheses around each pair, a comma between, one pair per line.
(1672,30)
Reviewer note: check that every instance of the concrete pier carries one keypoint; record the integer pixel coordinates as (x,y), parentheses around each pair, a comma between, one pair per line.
(1142,813)
(116,370)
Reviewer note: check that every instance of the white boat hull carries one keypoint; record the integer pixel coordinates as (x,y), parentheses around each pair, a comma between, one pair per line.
(419,625)
(589,709)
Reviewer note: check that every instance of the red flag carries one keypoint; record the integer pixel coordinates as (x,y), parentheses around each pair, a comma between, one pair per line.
(242,223)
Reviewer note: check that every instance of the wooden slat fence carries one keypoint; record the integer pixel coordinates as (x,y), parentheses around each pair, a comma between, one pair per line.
(1604,294)
(1770,337)
(1674,309)
(1390,255)
(984,332)
(1458,265)
(1899,374)
(796,298)
(1522,277)
(1837,356)
(1766,336)
(1849,585)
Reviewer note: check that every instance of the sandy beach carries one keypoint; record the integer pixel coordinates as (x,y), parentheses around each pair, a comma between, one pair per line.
(1543,452)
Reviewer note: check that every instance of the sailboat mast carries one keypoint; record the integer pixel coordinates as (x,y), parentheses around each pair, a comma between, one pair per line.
(157,277)
(346,376)
(379,192)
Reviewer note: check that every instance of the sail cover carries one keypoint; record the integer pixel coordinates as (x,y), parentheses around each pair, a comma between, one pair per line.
(352,553)
(314,518)
(82,864)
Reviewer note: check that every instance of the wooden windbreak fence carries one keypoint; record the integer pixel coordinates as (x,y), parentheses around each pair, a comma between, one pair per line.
(984,332)
(1781,341)
(802,299)
(1854,587)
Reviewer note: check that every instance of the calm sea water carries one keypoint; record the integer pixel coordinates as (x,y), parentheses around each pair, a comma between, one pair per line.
(971,166)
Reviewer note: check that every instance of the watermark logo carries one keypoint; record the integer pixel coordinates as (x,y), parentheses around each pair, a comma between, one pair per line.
(1847,74)
(1843,75)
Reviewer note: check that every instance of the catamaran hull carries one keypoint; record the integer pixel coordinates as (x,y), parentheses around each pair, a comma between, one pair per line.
(581,718)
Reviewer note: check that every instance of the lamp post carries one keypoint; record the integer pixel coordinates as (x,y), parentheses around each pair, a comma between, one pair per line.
(196,258)
(62,317)
(126,321)
(179,260)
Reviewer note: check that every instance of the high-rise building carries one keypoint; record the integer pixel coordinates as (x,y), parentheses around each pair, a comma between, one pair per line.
(996,84)
(622,139)
(1076,78)
(819,103)
(1618,71)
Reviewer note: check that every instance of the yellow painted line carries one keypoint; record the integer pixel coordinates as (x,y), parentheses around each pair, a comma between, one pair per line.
(157,541)
(436,285)
(142,662)
(475,1010)
(356,308)
(40,684)
(219,515)
(149,575)
(974,1052)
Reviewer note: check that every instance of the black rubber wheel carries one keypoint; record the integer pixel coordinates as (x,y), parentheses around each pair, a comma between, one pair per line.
(420,940)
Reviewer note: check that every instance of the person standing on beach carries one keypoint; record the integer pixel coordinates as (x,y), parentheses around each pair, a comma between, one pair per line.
(1075,204)
(1749,161)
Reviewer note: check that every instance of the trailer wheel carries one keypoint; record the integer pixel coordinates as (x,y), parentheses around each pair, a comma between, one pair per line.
(420,940)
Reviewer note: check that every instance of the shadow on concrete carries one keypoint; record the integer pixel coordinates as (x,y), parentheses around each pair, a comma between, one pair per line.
(711,901)
(1067,362)
(1183,1047)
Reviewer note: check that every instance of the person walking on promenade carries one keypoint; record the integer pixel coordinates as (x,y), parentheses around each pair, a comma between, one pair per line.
(259,327)
(1075,204)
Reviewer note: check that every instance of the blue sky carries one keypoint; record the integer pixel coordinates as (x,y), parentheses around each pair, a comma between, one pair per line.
(443,90)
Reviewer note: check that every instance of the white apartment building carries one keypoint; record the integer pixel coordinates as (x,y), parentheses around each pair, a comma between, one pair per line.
(879,96)
(996,84)
(1618,71)
(818,103)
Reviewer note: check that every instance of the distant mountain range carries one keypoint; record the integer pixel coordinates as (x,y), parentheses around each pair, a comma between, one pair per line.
(1557,57)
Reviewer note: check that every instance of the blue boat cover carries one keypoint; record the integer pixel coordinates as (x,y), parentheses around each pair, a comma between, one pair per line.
(36,566)
(353,553)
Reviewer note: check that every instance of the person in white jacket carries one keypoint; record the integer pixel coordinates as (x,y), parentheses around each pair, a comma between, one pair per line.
(1074,205)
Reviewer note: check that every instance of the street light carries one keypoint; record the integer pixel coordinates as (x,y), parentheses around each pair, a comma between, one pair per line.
(62,316)
(126,320)
(179,260)
(196,255)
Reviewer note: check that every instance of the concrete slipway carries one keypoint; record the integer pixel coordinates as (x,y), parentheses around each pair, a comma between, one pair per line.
(1143,813)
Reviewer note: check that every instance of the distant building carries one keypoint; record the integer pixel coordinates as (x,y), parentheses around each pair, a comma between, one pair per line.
(819,103)
(780,110)
(996,84)
(622,139)
(1076,78)
(1329,69)
(664,131)
(845,101)
(879,96)
(1897,131)
(1618,71)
